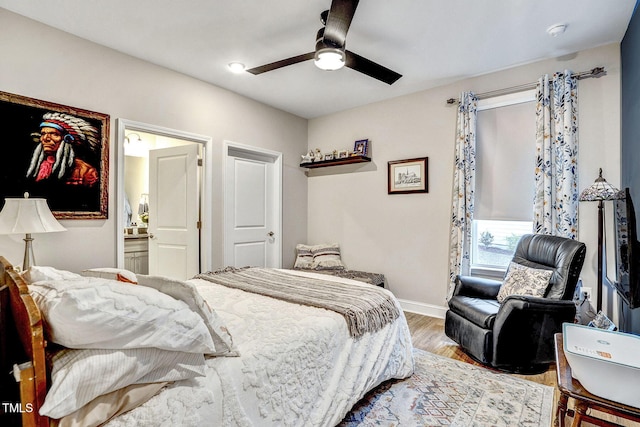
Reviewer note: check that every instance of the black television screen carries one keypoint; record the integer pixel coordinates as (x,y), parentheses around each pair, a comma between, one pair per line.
(626,280)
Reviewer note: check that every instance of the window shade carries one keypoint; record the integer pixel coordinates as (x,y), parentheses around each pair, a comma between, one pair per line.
(505,162)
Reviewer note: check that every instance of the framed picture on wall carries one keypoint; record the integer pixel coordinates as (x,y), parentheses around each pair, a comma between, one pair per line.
(408,176)
(55,152)
(361,148)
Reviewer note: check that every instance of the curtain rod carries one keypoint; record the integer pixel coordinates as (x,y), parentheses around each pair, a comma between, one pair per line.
(594,72)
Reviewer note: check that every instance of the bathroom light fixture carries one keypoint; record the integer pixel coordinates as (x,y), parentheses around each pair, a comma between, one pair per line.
(329,58)
(127,138)
(556,30)
(236,67)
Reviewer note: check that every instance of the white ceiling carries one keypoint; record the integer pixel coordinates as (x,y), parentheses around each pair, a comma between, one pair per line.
(429,42)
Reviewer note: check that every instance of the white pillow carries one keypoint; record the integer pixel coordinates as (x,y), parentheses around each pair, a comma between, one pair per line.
(522,280)
(187,292)
(119,274)
(107,406)
(79,376)
(37,273)
(90,312)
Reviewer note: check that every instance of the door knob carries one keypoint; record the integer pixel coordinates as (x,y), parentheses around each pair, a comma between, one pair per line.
(271,234)
(151,235)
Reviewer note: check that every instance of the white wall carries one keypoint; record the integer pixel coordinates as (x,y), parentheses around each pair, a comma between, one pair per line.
(406,237)
(44,63)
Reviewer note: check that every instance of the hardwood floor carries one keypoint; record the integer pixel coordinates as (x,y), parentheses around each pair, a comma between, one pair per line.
(427,334)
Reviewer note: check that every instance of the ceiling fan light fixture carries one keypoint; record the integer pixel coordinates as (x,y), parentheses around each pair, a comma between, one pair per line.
(329,58)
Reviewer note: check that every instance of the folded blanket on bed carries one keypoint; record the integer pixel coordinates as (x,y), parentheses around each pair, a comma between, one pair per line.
(364,308)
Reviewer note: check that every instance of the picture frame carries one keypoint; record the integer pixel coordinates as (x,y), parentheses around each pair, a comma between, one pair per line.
(328,156)
(76,186)
(408,176)
(361,147)
(343,154)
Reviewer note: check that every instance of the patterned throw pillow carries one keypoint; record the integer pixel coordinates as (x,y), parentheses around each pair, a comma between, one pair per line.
(521,280)
(318,257)
(327,257)
(304,257)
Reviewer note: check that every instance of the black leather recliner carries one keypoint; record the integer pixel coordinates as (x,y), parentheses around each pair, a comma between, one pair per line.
(517,335)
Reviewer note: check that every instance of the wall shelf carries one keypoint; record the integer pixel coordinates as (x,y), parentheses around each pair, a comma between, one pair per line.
(335,162)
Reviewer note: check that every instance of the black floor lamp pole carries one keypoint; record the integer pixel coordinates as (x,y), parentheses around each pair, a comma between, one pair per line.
(600,191)
(600,230)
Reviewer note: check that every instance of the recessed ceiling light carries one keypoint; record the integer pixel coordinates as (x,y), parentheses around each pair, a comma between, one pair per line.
(556,30)
(236,67)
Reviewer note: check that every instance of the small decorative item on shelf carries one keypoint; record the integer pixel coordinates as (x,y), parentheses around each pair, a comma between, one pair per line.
(361,147)
(328,156)
(308,158)
(342,154)
(318,155)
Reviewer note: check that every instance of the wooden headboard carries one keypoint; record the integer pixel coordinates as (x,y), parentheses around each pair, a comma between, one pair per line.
(29,357)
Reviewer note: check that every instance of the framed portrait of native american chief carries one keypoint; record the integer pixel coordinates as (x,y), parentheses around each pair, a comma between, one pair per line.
(55,152)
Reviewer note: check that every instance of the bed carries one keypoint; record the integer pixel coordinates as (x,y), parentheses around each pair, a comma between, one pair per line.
(289,364)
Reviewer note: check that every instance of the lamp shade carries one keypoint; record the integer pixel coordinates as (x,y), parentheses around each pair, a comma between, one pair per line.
(600,190)
(23,216)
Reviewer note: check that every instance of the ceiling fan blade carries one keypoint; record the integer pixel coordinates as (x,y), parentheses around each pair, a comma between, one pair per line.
(370,68)
(282,63)
(339,21)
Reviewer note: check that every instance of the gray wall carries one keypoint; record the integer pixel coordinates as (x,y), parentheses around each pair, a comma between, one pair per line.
(44,63)
(406,236)
(630,149)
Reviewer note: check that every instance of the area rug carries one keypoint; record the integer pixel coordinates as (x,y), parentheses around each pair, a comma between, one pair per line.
(447,392)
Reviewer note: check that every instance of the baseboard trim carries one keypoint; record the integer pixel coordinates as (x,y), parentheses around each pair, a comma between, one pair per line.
(422,308)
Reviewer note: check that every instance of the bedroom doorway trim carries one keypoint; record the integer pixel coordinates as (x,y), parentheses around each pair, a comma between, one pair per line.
(268,235)
(206,190)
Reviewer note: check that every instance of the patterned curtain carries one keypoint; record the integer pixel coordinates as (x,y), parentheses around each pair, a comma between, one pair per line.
(463,188)
(555,208)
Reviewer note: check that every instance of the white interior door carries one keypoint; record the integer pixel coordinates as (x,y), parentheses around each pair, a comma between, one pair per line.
(252,209)
(174,212)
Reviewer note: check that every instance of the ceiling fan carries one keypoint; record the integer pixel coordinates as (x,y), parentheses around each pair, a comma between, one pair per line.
(330,53)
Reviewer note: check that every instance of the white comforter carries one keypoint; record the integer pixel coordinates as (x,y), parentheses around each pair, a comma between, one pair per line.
(298,366)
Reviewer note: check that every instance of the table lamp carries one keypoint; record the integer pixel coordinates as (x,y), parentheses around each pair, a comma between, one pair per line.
(600,191)
(27,216)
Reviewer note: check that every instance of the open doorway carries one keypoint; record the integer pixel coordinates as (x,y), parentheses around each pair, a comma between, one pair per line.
(140,237)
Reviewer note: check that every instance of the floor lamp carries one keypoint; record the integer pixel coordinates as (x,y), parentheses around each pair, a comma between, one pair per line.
(27,216)
(600,191)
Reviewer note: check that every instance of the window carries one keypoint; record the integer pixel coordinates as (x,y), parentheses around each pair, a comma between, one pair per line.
(505,162)
(494,242)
